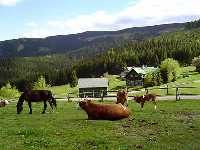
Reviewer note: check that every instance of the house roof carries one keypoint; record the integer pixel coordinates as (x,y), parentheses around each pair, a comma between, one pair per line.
(139,70)
(143,70)
(92,82)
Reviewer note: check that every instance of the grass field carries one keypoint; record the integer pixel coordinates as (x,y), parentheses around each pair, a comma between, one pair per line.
(175,125)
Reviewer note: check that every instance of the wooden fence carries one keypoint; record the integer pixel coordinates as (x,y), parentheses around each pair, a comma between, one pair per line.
(177,90)
(113,93)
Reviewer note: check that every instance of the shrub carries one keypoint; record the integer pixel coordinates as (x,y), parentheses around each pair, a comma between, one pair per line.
(196,63)
(8,91)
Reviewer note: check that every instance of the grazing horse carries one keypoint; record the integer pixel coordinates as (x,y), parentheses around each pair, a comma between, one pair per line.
(36,96)
(122,97)
(144,98)
(3,103)
(104,111)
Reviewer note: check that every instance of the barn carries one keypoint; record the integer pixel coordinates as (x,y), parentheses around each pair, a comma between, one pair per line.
(136,75)
(92,87)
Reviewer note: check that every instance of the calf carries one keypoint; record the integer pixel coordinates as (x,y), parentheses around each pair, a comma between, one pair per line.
(104,111)
(122,97)
(144,98)
(3,103)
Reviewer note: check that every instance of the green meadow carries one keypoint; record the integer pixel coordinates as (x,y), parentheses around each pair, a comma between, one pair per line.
(175,125)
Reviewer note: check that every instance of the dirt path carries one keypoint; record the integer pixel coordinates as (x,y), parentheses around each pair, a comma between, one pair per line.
(196,97)
(160,98)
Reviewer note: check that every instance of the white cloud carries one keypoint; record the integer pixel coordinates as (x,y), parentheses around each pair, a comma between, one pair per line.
(32,24)
(139,13)
(9,2)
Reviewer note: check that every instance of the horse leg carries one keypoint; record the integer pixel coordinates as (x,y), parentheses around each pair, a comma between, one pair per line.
(45,107)
(51,105)
(153,99)
(29,104)
(155,106)
(142,105)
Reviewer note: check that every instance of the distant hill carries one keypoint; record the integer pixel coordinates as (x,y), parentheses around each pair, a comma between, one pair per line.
(83,44)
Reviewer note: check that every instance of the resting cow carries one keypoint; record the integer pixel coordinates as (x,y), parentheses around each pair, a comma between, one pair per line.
(3,103)
(122,97)
(104,111)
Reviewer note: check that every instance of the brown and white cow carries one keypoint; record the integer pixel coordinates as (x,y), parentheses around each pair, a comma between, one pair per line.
(104,111)
(3,103)
(148,97)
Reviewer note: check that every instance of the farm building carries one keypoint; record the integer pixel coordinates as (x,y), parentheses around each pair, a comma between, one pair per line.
(134,76)
(92,87)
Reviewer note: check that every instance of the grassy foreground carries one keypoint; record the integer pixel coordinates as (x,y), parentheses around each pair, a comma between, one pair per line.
(175,125)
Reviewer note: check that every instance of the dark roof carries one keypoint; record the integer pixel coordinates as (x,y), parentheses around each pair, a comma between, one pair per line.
(92,82)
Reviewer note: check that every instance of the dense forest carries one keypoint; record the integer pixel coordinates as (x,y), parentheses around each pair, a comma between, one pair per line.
(182,45)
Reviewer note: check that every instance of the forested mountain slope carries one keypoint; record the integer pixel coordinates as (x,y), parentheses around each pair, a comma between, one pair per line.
(82,44)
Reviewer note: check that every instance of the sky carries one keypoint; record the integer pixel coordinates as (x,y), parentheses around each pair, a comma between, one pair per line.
(42,18)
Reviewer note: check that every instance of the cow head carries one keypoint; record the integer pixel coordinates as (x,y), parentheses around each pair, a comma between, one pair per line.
(84,103)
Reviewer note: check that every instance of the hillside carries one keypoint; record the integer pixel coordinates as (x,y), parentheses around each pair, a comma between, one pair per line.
(87,43)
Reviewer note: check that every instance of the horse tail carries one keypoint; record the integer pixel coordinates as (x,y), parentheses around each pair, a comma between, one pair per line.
(52,99)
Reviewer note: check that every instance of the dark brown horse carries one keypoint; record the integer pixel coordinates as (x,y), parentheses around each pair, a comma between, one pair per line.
(36,96)
(122,97)
(144,98)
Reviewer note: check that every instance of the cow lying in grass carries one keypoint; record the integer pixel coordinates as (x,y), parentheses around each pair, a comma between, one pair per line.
(104,111)
(142,99)
(122,97)
(3,103)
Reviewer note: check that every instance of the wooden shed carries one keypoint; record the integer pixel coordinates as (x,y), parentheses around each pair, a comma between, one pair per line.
(92,87)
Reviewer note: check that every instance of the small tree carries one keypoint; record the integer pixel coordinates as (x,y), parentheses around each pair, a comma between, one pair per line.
(152,79)
(73,78)
(169,69)
(40,84)
(196,63)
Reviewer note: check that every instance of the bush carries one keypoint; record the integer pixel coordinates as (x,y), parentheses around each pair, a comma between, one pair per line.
(169,69)
(8,91)
(196,63)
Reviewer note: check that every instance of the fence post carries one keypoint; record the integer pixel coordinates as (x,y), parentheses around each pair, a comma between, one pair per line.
(147,91)
(167,89)
(68,97)
(177,94)
(102,93)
